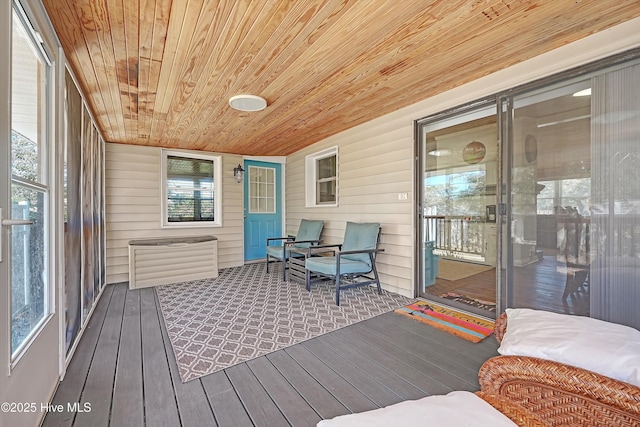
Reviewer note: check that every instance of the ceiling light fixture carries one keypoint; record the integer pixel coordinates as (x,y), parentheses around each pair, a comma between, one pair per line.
(247,103)
(442,152)
(570,119)
(583,92)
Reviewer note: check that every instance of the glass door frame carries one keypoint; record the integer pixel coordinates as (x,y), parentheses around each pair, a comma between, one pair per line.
(31,373)
(420,151)
(45,183)
(504,100)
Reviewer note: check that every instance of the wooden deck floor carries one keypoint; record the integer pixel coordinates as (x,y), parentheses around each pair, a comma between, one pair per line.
(539,285)
(124,368)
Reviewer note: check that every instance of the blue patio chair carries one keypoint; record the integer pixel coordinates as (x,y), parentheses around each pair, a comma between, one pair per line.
(352,262)
(308,235)
(430,264)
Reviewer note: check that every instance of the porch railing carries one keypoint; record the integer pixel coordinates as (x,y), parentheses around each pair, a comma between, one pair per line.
(456,236)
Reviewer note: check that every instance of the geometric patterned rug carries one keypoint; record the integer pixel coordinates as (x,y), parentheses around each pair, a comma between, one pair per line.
(245,313)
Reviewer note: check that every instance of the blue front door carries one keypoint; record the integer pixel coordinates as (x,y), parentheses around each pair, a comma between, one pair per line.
(262,206)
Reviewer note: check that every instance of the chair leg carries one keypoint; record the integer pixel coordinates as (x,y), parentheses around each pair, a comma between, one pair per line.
(337,280)
(307,277)
(267,263)
(375,274)
(284,263)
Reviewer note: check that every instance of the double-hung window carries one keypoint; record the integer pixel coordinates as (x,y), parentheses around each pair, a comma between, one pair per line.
(192,189)
(321,178)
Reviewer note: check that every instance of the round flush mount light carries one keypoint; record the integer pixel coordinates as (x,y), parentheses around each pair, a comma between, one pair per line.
(247,102)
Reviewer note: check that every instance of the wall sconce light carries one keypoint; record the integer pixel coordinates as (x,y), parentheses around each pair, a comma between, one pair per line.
(238,173)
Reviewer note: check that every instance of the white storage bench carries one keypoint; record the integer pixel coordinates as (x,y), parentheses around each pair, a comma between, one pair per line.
(162,261)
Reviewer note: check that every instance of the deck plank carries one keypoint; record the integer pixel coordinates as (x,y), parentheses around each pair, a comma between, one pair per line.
(223,399)
(70,389)
(291,404)
(323,402)
(379,350)
(100,381)
(128,400)
(377,369)
(258,403)
(360,379)
(372,364)
(419,354)
(431,354)
(341,389)
(159,397)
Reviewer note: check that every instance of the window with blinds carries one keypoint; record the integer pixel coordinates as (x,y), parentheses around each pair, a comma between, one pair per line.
(192,194)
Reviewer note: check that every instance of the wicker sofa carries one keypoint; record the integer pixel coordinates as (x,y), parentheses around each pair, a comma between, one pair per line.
(559,394)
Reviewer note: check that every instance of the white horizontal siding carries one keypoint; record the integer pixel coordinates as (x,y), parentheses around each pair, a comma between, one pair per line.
(372,169)
(133,207)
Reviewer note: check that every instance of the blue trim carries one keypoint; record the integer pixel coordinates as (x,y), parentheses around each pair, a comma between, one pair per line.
(260,226)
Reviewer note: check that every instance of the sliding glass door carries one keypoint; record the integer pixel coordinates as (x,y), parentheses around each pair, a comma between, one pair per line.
(542,185)
(459,166)
(575,197)
(550,205)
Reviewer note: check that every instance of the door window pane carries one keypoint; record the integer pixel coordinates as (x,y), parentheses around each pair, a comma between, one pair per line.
(262,190)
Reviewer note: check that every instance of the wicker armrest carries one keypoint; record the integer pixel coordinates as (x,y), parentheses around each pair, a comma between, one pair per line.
(516,413)
(500,327)
(561,394)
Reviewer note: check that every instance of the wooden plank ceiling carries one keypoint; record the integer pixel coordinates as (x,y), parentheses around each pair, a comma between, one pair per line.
(161,72)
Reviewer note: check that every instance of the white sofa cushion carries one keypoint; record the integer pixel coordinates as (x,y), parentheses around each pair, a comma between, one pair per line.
(607,348)
(456,409)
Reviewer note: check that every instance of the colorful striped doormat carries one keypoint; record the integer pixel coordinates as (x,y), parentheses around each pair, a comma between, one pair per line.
(466,326)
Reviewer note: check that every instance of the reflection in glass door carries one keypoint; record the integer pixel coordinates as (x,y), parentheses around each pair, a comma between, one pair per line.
(459,166)
(550,200)
(574,209)
(566,178)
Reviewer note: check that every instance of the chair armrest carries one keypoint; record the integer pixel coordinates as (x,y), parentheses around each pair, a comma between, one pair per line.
(293,242)
(516,413)
(334,245)
(360,251)
(500,327)
(319,249)
(288,238)
(556,391)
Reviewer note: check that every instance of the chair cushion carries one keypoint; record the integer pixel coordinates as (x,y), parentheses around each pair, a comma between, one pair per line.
(308,230)
(275,251)
(360,235)
(327,265)
(607,348)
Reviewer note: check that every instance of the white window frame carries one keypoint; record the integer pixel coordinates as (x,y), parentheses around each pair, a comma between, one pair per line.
(311,174)
(217,189)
